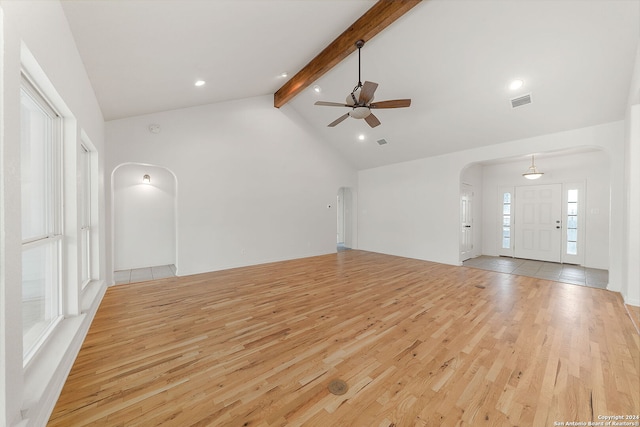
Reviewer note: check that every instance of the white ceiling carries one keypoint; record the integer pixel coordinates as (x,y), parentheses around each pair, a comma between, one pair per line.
(454,58)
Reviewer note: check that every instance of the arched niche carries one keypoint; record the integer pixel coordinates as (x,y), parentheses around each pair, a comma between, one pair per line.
(144,216)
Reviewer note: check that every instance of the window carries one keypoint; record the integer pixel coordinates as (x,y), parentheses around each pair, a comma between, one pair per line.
(572,222)
(40,145)
(84,197)
(506,220)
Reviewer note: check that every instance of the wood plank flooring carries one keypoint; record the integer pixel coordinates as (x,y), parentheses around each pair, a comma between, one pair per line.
(418,344)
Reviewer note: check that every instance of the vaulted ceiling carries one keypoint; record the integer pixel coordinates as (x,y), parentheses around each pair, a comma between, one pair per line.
(453,58)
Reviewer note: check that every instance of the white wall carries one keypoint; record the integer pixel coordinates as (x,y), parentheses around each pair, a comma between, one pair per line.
(254,182)
(591,168)
(631,220)
(144,217)
(412,209)
(37,35)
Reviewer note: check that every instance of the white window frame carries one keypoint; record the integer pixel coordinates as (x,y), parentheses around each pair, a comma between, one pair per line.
(86,217)
(579,257)
(501,191)
(53,236)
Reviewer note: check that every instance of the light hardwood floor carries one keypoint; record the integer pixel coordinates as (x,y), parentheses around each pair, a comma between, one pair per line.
(418,343)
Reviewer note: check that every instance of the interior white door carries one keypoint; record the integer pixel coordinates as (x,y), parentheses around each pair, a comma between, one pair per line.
(345,232)
(340,211)
(538,222)
(466,222)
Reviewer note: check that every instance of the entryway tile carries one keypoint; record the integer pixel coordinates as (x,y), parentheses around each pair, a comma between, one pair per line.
(141,274)
(162,272)
(121,277)
(565,273)
(144,274)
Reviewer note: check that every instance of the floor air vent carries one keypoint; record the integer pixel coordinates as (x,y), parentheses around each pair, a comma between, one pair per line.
(338,387)
(521,100)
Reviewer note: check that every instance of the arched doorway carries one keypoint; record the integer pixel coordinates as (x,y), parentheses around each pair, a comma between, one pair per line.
(144,221)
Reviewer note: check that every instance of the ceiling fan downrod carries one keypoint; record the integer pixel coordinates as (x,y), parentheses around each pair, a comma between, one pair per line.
(359,45)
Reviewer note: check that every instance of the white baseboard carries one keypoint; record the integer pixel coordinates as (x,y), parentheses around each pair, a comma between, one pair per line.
(633,302)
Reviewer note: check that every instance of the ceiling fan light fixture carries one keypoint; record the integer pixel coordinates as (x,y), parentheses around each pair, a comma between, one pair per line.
(532,172)
(360,112)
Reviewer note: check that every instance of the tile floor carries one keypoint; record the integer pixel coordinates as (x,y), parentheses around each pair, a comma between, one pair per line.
(565,273)
(144,274)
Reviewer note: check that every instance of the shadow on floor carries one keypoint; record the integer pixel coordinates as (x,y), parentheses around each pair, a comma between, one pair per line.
(565,273)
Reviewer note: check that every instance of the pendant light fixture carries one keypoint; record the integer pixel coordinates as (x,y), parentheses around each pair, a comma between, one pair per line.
(532,172)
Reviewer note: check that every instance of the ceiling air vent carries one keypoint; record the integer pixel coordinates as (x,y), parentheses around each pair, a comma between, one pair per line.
(521,100)
(382,141)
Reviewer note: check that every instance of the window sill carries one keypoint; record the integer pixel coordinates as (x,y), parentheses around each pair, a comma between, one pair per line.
(47,372)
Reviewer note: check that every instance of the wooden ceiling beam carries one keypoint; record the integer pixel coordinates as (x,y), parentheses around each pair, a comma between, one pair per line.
(376,19)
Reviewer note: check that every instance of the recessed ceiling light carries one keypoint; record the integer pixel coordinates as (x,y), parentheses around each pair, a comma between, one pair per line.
(317,89)
(284,74)
(361,137)
(200,82)
(516,84)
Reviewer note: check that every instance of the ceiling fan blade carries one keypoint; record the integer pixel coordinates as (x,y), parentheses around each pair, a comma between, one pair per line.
(394,103)
(331,104)
(367,91)
(338,120)
(372,120)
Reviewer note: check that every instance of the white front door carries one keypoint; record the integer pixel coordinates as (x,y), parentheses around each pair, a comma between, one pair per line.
(538,226)
(466,222)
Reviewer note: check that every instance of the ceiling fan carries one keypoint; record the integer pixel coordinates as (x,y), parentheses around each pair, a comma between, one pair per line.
(360,100)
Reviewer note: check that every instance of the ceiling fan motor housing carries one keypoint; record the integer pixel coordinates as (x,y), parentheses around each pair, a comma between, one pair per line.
(354,98)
